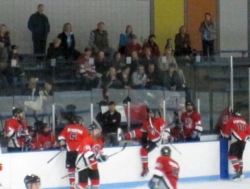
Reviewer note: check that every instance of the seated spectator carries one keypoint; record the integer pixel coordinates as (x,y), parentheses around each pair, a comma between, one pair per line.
(99,41)
(48,88)
(133,46)
(169,44)
(55,51)
(14,73)
(124,77)
(125,39)
(134,62)
(47,139)
(68,42)
(182,43)
(5,36)
(139,78)
(118,62)
(86,71)
(155,51)
(147,58)
(154,77)
(31,90)
(110,80)
(171,79)
(101,64)
(166,59)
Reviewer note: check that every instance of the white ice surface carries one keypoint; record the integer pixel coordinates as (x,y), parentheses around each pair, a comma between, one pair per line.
(244,184)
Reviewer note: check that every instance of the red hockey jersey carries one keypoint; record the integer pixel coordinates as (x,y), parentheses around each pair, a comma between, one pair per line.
(35,144)
(89,149)
(47,141)
(16,130)
(73,134)
(237,127)
(154,129)
(168,170)
(191,122)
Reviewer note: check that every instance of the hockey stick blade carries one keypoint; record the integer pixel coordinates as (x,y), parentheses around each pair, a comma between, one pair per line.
(55,155)
(124,146)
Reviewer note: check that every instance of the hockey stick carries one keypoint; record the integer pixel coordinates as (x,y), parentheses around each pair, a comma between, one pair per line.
(56,155)
(124,146)
(151,125)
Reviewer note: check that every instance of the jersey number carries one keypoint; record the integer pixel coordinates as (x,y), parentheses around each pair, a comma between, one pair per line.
(175,171)
(241,126)
(73,136)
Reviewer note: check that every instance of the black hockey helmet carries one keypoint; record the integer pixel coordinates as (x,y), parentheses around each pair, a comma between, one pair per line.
(150,110)
(16,112)
(31,129)
(30,179)
(77,119)
(236,113)
(93,127)
(166,151)
(189,103)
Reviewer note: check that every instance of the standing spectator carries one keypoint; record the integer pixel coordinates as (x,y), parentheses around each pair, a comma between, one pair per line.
(47,139)
(208,35)
(68,42)
(99,40)
(86,71)
(147,58)
(39,26)
(118,62)
(191,120)
(154,48)
(154,78)
(125,77)
(3,65)
(110,80)
(133,46)
(31,90)
(111,123)
(16,130)
(101,64)
(182,43)
(139,78)
(5,36)
(125,38)
(55,51)
(3,54)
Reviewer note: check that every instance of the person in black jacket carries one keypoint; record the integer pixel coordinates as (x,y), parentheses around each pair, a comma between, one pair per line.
(110,80)
(68,42)
(55,50)
(125,77)
(39,26)
(111,122)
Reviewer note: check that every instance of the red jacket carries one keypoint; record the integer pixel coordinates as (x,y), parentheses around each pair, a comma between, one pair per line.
(191,122)
(155,51)
(47,141)
(133,47)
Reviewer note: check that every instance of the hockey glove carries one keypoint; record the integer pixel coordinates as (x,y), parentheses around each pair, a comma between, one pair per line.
(195,134)
(21,134)
(62,144)
(101,158)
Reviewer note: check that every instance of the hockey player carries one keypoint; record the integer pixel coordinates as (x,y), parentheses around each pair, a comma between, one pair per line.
(191,121)
(16,130)
(153,130)
(34,144)
(71,138)
(47,139)
(166,173)
(32,182)
(89,154)
(239,130)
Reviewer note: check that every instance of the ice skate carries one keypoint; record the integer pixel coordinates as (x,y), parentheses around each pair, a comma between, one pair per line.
(237,176)
(144,171)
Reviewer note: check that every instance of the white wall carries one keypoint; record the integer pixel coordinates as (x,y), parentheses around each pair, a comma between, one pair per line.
(197,159)
(82,14)
(233,25)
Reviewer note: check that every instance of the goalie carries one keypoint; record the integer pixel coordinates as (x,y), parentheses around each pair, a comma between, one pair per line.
(152,132)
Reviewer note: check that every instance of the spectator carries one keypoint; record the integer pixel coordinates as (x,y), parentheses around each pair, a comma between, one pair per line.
(14,73)
(31,90)
(166,59)
(182,43)
(3,55)
(171,79)
(48,88)
(133,46)
(101,64)
(99,115)
(86,70)
(110,80)
(39,26)
(55,50)
(208,35)
(111,123)
(169,43)
(125,39)
(118,62)
(5,36)
(139,78)
(47,139)
(155,51)
(125,77)
(99,40)
(147,58)
(154,77)
(68,42)
(134,62)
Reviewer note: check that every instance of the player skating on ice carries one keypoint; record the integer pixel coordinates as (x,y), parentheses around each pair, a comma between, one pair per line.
(153,130)
(239,130)
(71,138)
(166,172)
(32,182)
(191,121)
(89,154)
(17,131)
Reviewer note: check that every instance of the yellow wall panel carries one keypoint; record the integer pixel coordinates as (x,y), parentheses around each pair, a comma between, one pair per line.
(168,16)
